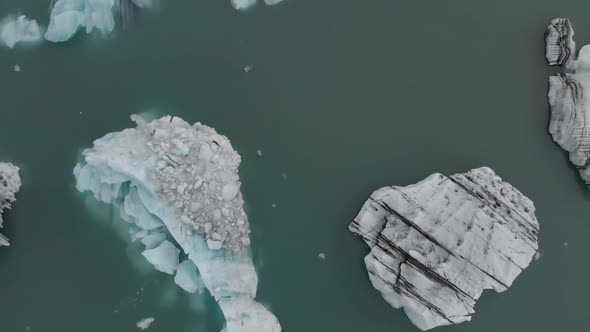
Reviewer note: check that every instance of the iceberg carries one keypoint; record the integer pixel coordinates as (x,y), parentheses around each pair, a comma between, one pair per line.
(67,16)
(569,93)
(438,244)
(187,277)
(19,30)
(168,177)
(10,184)
(245,4)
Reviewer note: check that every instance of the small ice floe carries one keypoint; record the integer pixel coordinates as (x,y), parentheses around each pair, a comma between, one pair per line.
(259,152)
(274,206)
(21,29)
(565,244)
(537,256)
(245,4)
(145,323)
(17,68)
(248,68)
(322,255)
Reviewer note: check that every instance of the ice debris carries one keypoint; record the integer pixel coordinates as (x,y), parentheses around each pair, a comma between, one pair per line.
(438,244)
(164,257)
(10,184)
(168,177)
(19,30)
(145,323)
(245,4)
(569,93)
(187,277)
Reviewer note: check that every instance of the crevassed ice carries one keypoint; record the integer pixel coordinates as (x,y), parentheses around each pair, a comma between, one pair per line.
(125,169)
(19,30)
(67,16)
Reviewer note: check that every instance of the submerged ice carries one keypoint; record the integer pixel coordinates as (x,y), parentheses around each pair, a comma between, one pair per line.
(178,187)
(10,184)
(20,29)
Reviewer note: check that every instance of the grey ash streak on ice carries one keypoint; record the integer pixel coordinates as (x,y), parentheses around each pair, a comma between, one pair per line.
(436,245)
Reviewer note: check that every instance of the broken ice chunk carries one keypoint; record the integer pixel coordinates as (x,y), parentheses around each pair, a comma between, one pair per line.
(187,277)
(144,3)
(145,323)
(164,257)
(10,184)
(230,191)
(20,30)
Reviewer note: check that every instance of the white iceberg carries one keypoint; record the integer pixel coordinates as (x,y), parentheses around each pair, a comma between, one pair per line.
(67,16)
(438,244)
(175,173)
(19,30)
(10,184)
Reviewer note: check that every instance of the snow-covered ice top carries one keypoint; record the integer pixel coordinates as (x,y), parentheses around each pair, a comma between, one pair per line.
(10,184)
(436,245)
(20,29)
(174,182)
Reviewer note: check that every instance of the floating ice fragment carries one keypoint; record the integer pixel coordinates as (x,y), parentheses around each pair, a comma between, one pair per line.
(322,255)
(259,152)
(164,257)
(144,3)
(153,240)
(67,16)
(243,4)
(248,68)
(20,30)
(230,190)
(17,68)
(187,277)
(145,323)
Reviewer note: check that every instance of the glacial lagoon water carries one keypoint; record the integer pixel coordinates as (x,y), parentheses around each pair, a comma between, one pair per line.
(343,97)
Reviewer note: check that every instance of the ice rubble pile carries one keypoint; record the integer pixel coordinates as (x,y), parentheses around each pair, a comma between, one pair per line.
(20,29)
(178,184)
(10,183)
(436,245)
(245,4)
(569,94)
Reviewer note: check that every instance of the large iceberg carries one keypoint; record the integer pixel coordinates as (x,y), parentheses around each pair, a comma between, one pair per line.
(171,179)
(569,95)
(438,244)
(21,29)
(10,183)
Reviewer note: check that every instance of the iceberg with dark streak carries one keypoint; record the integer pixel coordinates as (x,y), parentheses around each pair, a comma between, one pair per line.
(177,185)
(569,94)
(438,244)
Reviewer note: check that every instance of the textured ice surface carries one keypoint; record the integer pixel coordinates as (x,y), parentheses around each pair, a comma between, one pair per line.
(436,245)
(67,16)
(19,30)
(9,185)
(183,178)
(569,95)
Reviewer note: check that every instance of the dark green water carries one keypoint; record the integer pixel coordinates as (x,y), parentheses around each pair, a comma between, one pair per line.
(346,96)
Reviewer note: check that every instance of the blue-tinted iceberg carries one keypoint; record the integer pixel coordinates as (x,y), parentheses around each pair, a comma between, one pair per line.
(19,30)
(67,16)
(172,179)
